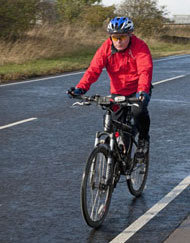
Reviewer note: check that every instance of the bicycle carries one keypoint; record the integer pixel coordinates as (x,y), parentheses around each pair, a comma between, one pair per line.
(110,159)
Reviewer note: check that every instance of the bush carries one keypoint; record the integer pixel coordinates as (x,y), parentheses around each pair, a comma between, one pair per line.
(69,10)
(148,18)
(95,16)
(16,16)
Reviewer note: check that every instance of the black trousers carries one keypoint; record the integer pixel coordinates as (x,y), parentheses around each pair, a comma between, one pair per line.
(141,117)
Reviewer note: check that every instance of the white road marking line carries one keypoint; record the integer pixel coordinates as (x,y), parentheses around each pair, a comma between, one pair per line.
(170,58)
(42,79)
(72,74)
(169,79)
(152,212)
(17,123)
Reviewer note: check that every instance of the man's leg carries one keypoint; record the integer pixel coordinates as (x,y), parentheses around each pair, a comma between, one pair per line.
(120,115)
(142,121)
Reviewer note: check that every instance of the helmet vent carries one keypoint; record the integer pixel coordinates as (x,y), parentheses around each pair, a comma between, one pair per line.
(120,25)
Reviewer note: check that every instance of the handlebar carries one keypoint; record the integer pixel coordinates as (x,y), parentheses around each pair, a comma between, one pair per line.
(106,101)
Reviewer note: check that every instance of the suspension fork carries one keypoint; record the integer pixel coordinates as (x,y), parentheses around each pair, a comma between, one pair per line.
(97,139)
(109,168)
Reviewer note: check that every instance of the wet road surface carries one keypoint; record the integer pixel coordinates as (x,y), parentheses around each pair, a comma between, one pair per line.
(42,160)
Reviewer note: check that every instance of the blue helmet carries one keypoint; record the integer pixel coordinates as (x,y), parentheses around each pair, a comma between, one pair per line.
(120,25)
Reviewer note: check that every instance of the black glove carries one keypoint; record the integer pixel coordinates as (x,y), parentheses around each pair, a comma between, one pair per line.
(144,97)
(75,91)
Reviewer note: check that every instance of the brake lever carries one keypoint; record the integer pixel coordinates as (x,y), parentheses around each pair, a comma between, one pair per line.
(81,103)
(134,104)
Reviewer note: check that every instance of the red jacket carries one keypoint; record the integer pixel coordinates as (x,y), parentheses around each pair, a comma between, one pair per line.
(130,70)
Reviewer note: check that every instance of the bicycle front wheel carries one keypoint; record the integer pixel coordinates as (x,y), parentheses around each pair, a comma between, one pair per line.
(96,191)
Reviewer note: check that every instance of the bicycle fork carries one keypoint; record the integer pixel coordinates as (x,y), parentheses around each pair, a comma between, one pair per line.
(109,169)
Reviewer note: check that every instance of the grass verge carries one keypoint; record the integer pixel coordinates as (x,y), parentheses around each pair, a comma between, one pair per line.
(43,67)
(78,59)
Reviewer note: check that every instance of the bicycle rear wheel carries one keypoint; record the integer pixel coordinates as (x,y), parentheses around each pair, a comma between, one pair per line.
(137,177)
(95,191)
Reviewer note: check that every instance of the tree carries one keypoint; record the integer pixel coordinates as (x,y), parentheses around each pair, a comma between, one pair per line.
(148,17)
(16,16)
(69,10)
(95,16)
(47,11)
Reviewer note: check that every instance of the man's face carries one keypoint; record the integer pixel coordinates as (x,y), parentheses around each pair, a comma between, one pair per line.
(120,41)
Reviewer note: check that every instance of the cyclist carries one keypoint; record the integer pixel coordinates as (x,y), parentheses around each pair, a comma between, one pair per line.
(128,62)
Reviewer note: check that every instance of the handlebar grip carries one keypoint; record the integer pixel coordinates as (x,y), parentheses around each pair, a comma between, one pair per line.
(123,99)
(133,100)
(120,99)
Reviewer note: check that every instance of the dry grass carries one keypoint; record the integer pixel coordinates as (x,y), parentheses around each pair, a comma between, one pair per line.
(50,42)
(55,49)
(47,42)
(179,30)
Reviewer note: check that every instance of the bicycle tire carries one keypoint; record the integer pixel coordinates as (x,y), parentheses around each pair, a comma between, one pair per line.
(137,177)
(94,179)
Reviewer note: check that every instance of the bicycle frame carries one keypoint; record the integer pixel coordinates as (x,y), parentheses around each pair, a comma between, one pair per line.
(110,128)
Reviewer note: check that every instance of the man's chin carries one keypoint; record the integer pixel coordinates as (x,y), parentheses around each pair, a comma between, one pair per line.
(120,49)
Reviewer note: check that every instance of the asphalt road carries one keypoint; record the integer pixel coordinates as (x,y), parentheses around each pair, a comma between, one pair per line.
(42,160)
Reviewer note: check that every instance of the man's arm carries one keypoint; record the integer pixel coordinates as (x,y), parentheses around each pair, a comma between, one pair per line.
(145,69)
(93,72)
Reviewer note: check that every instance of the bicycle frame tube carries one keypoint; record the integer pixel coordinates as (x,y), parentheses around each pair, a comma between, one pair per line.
(111,141)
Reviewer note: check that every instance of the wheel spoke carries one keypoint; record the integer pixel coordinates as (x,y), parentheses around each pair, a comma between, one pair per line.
(96,195)
(93,207)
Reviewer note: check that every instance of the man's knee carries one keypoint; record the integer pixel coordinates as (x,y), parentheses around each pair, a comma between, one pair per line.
(140,111)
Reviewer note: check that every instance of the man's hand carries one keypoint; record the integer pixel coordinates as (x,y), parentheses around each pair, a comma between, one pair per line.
(143,96)
(75,91)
